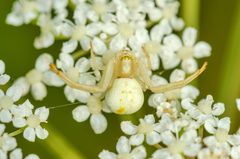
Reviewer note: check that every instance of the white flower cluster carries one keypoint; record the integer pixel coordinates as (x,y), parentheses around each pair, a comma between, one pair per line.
(37,79)
(22,117)
(8,147)
(113,25)
(101,28)
(178,133)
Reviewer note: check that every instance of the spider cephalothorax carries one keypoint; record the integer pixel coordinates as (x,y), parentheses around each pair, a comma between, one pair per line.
(126,64)
(124,79)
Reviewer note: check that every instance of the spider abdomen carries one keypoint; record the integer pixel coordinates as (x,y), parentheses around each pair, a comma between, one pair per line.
(125,96)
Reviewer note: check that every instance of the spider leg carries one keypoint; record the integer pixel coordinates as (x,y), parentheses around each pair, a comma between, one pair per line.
(102,86)
(143,74)
(179,84)
(93,58)
(149,64)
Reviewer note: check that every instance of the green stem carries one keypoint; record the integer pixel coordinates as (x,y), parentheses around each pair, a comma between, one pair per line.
(201,131)
(79,54)
(17,132)
(190,12)
(157,146)
(59,145)
(229,86)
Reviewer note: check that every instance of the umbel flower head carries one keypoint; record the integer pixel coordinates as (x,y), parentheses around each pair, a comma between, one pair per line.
(93,33)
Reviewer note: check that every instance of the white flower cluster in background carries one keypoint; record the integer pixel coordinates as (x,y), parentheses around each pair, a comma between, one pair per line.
(20,116)
(178,133)
(178,125)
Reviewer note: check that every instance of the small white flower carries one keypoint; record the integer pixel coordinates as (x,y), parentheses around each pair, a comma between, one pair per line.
(220,141)
(124,151)
(83,33)
(77,72)
(204,110)
(188,144)
(187,50)
(4,78)
(7,103)
(41,75)
(23,12)
(100,10)
(158,100)
(128,29)
(20,112)
(24,117)
(208,153)
(167,108)
(169,10)
(147,127)
(17,154)
(8,143)
(94,108)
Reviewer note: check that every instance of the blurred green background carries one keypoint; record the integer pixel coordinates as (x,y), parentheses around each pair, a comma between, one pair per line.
(218,22)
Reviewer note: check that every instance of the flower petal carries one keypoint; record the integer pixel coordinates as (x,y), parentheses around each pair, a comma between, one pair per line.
(51,79)
(139,153)
(83,64)
(189,36)
(210,125)
(218,109)
(32,156)
(41,133)
(117,43)
(2,129)
(44,40)
(189,65)
(39,91)
(14,92)
(168,137)
(5,116)
(81,113)
(43,62)
(224,123)
(2,67)
(4,79)
(128,127)
(19,122)
(202,49)
(153,138)
(123,145)
(107,155)
(29,134)
(149,119)
(16,154)
(42,113)
(98,123)
(99,46)
(172,41)
(177,75)
(69,46)
(136,139)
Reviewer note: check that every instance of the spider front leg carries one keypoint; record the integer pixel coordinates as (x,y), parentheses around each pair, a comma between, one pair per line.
(93,60)
(102,86)
(149,64)
(174,85)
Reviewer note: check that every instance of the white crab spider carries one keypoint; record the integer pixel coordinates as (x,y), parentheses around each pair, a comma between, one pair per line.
(124,79)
